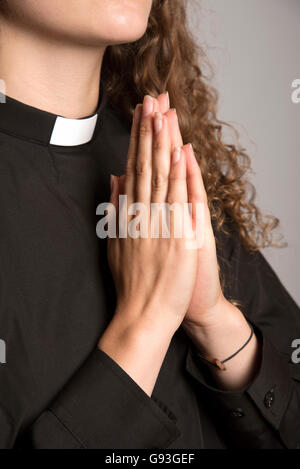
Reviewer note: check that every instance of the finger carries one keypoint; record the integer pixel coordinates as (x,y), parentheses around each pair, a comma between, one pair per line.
(122,183)
(156,106)
(144,153)
(161,159)
(174,135)
(112,216)
(177,180)
(132,153)
(114,192)
(164,102)
(197,197)
(195,184)
(174,129)
(177,195)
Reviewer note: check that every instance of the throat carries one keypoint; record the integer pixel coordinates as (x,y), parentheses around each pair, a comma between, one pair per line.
(62,79)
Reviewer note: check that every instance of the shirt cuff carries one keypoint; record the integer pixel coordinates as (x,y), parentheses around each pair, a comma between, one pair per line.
(254,414)
(102,407)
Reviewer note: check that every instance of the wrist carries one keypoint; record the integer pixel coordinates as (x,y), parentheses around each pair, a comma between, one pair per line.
(226,333)
(212,316)
(128,328)
(151,317)
(223,319)
(138,347)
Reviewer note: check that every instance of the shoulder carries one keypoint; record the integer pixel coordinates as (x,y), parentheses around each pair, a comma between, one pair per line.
(115,123)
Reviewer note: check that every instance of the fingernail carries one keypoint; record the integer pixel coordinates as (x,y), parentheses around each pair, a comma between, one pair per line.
(176,155)
(173,109)
(168,97)
(192,151)
(147,105)
(158,123)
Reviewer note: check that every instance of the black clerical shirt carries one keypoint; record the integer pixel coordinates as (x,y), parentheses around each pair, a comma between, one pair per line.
(57,296)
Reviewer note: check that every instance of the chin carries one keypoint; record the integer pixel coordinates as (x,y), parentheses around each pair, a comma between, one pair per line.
(127,34)
(122,25)
(95,22)
(122,33)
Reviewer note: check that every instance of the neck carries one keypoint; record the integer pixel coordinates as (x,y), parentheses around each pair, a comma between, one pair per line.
(59,78)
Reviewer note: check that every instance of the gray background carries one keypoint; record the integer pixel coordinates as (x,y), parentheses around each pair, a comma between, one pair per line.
(254,47)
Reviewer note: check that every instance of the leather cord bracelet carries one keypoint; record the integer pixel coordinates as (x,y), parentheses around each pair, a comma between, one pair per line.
(220,364)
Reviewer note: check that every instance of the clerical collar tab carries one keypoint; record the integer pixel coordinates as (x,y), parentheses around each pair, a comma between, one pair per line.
(72,132)
(39,126)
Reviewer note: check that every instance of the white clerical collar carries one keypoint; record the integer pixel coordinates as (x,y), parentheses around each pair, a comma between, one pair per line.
(71,132)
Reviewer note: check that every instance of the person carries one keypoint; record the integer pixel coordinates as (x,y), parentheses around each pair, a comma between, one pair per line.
(155,345)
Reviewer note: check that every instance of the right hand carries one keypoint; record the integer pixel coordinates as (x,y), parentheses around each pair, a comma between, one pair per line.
(154,277)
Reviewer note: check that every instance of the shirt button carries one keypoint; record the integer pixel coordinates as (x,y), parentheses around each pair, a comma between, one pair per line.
(269,399)
(237,413)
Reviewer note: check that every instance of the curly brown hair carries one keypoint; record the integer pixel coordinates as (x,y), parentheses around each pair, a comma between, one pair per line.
(167,57)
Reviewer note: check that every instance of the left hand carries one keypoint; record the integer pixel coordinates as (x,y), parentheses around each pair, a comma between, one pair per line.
(216,326)
(207,299)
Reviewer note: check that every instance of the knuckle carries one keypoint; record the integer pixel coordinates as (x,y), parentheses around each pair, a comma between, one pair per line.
(177,178)
(134,134)
(157,145)
(144,130)
(130,164)
(159,180)
(128,171)
(142,167)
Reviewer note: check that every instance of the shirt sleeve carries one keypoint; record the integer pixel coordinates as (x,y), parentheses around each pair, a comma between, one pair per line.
(101,407)
(267,413)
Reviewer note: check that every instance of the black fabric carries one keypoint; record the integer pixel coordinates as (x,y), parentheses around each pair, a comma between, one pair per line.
(100,379)
(57,296)
(30,123)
